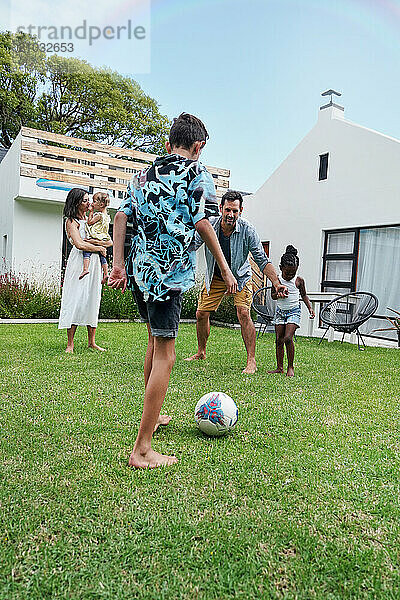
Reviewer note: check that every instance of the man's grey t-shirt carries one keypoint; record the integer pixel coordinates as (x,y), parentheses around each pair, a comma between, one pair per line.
(225,243)
(244,239)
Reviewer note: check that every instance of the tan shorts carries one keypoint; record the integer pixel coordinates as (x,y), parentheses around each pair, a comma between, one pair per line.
(210,302)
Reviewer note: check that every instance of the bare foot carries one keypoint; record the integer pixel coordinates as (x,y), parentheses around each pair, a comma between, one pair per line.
(69,349)
(280,371)
(251,368)
(84,272)
(290,372)
(162,420)
(96,347)
(150,460)
(198,356)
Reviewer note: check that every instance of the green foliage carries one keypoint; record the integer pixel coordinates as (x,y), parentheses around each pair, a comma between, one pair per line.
(99,105)
(22,300)
(226,312)
(189,303)
(115,305)
(69,96)
(22,67)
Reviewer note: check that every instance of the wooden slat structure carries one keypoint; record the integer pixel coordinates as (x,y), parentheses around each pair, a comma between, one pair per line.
(259,280)
(74,160)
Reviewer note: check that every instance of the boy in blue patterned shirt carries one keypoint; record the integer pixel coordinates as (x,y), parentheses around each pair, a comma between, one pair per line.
(166,204)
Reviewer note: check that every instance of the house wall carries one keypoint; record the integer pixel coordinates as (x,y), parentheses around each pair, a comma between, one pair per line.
(29,190)
(362,190)
(9,186)
(38,240)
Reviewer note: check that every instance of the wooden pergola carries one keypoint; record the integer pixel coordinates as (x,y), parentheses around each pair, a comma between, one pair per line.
(81,162)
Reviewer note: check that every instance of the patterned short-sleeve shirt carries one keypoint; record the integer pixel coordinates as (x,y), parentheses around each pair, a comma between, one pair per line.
(164,202)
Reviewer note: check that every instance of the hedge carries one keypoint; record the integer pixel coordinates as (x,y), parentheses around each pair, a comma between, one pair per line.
(21,299)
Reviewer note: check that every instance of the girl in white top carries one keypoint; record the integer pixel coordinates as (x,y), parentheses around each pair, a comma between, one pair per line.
(288,311)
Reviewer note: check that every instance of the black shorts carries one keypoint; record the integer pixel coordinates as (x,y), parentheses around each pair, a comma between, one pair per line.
(162,315)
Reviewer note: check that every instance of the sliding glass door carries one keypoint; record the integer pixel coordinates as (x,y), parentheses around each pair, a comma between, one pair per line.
(379,273)
(366,260)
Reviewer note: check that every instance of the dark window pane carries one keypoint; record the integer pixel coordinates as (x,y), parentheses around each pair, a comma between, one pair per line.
(323,166)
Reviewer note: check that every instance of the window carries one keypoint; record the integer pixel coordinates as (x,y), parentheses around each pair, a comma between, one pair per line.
(323,166)
(378,267)
(339,270)
(340,243)
(365,260)
(4,247)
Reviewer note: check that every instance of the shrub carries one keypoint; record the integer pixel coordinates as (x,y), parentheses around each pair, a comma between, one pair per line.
(117,305)
(22,299)
(226,312)
(189,303)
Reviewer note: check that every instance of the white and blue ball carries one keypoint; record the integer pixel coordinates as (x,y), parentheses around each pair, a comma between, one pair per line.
(216,413)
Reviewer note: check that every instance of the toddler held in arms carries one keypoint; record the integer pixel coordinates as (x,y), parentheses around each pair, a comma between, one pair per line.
(97,224)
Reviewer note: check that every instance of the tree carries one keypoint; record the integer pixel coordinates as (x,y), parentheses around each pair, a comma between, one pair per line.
(99,105)
(22,66)
(69,96)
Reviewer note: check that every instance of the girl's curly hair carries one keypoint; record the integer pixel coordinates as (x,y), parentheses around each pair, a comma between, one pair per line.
(290,258)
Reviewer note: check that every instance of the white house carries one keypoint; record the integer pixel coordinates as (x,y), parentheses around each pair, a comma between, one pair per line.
(336,198)
(31,207)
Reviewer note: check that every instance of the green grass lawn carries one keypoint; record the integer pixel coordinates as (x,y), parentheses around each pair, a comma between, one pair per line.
(300,501)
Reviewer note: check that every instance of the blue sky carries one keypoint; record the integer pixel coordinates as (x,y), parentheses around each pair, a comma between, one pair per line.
(254,70)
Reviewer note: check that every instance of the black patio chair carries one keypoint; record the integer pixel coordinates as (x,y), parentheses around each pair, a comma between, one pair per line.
(348,312)
(264,306)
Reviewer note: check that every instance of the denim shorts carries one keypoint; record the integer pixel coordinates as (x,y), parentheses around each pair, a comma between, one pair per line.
(103,259)
(162,315)
(282,317)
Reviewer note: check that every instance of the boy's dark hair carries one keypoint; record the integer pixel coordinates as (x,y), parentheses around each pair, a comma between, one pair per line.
(74,198)
(290,258)
(186,130)
(231,196)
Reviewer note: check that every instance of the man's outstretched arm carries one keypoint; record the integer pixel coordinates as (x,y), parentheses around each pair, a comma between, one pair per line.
(207,233)
(117,278)
(281,290)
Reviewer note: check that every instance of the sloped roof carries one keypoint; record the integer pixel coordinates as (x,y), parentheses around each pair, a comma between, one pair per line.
(384,135)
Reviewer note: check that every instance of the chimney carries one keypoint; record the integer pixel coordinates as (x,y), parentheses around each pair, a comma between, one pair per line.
(331,103)
(331,110)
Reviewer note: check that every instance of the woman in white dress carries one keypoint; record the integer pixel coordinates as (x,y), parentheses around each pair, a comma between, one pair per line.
(80,301)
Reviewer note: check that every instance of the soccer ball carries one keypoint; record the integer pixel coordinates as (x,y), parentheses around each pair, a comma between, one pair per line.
(216,413)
